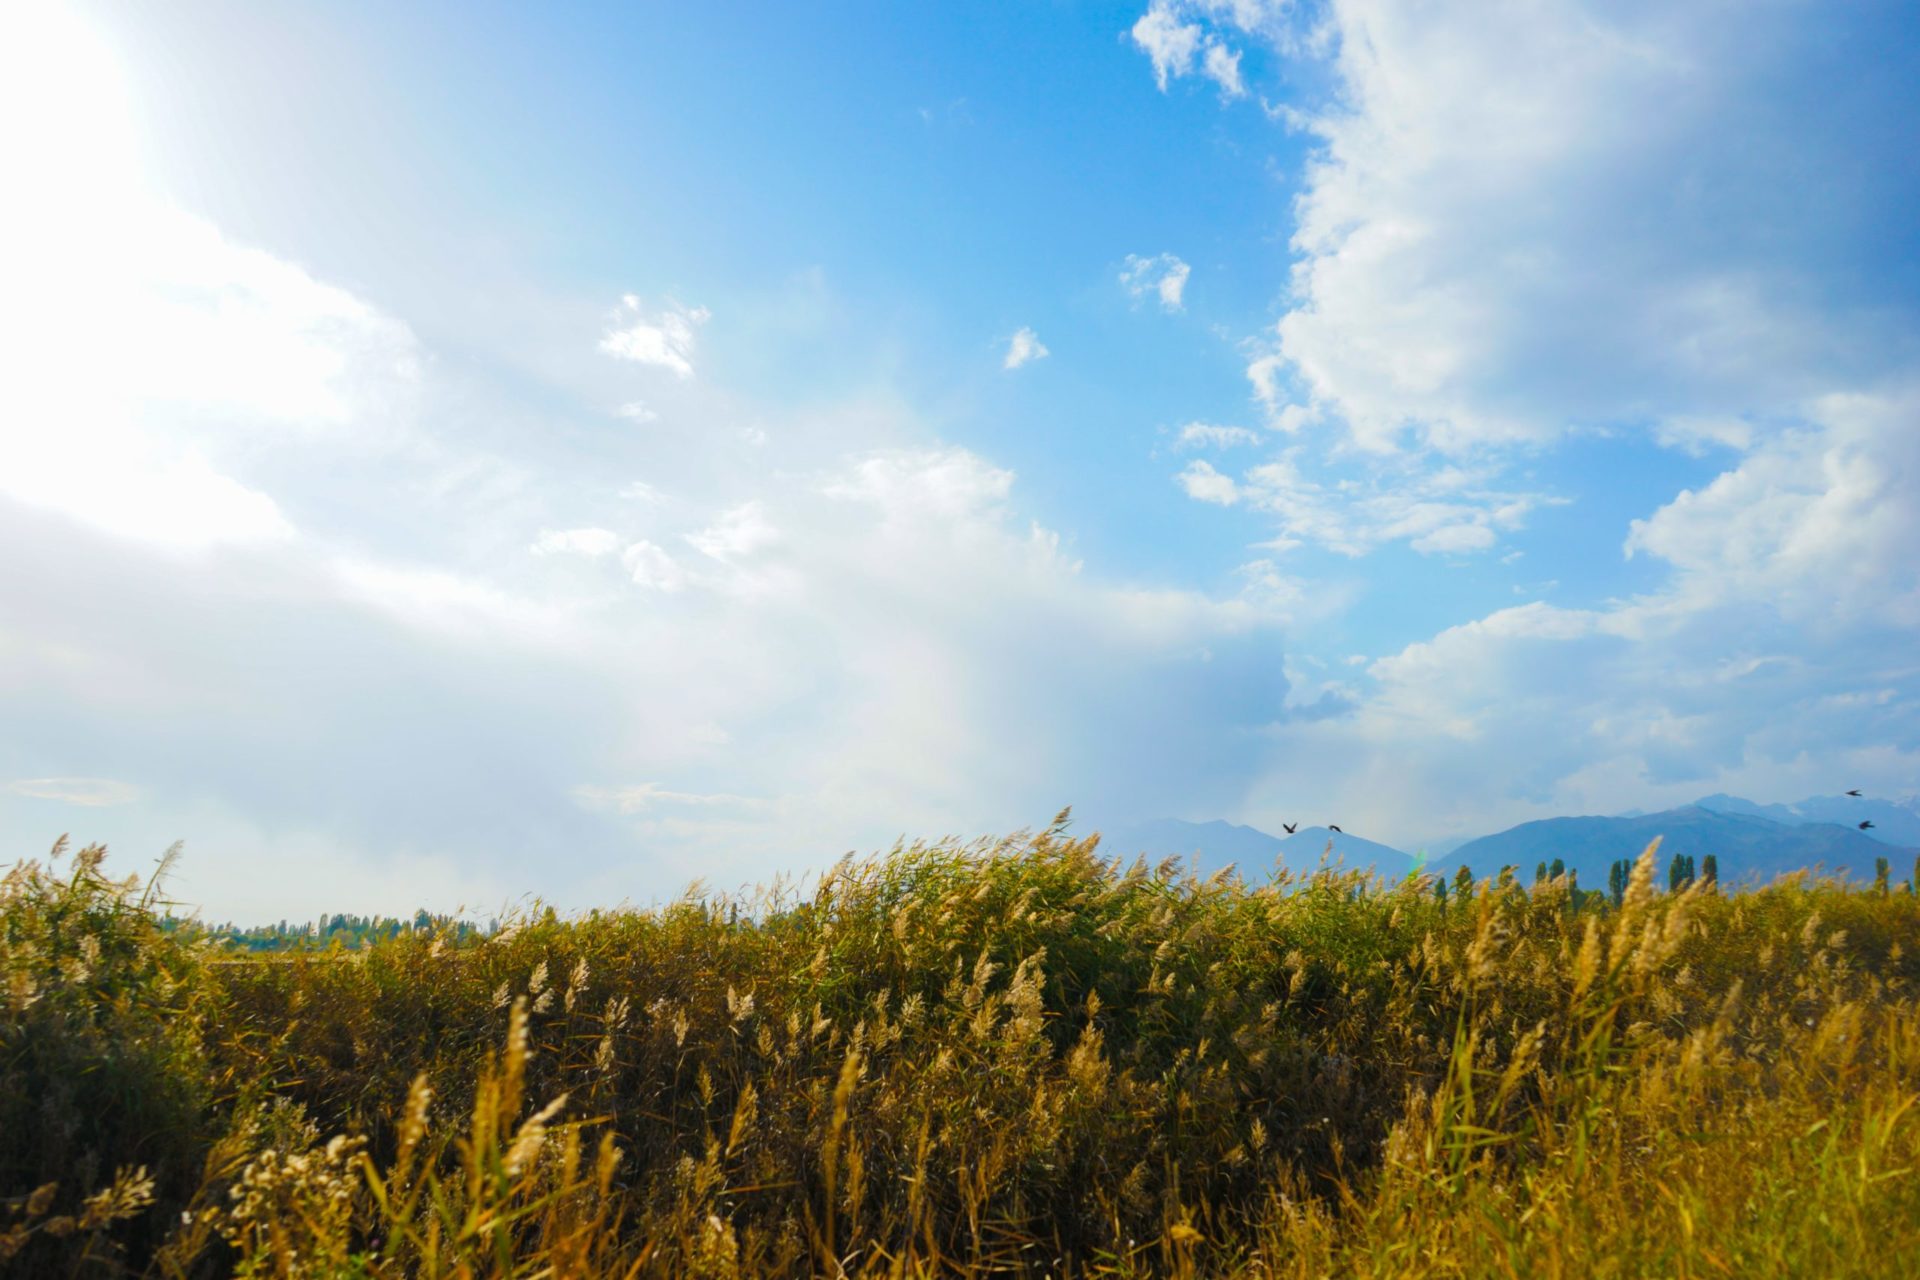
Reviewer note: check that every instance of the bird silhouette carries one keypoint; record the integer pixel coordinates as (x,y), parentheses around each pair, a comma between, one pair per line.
(1853,793)
(1866,826)
(1331,827)
(1289,826)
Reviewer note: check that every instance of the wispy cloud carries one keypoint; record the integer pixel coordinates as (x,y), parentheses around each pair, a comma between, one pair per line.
(1182,37)
(1444,511)
(592,543)
(89,793)
(1164,276)
(1202,435)
(640,797)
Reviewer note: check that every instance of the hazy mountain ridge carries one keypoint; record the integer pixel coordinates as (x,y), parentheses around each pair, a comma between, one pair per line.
(1210,846)
(1895,822)
(1749,840)
(1746,845)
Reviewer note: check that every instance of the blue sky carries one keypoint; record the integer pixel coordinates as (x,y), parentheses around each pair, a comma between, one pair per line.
(466,451)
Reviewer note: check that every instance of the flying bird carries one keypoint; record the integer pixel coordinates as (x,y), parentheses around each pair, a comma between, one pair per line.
(1289,826)
(1331,827)
(1866,826)
(1853,793)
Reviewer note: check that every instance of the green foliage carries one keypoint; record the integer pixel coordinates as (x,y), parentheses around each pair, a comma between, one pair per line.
(1006,1058)
(1679,872)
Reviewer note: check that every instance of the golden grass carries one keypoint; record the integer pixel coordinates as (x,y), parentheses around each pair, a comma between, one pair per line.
(1015,1058)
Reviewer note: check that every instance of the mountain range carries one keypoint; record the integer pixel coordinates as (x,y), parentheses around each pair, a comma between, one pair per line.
(1750,841)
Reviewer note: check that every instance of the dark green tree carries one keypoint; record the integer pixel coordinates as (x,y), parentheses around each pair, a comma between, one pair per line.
(1558,869)
(1463,881)
(1617,881)
(1540,873)
(1440,889)
(1676,873)
(1710,871)
(1880,876)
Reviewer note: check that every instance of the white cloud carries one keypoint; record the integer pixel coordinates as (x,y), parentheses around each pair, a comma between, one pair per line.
(1449,510)
(90,793)
(651,567)
(157,370)
(591,543)
(881,640)
(1204,484)
(1518,227)
(1164,276)
(1775,657)
(944,484)
(1466,536)
(1168,41)
(139,416)
(1173,34)
(740,532)
(1023,347)
(1222,66)
(637,411)
(639,797)
(1820,522)
(1204,435)
(664,337)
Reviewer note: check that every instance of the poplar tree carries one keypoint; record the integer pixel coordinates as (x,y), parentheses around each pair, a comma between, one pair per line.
(1710,869)
(1617,881)
(1880,876)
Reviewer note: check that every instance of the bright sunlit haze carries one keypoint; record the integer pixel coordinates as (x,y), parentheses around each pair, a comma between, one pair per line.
(456,452)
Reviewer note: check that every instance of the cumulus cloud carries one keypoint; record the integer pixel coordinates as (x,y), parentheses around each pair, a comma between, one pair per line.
(1023,347)
(1819,521)
(1204,484)
(1519,227)
(1168,41)
(663,337)
(1775,656)
(1164,276)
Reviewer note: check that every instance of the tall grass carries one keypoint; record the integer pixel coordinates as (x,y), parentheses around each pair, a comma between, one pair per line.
(1001,1058)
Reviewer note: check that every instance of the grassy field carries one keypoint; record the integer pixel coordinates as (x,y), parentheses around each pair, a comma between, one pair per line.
(1017,1058)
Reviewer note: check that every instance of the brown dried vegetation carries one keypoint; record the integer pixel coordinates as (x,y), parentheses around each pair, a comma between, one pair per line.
(1012,1058)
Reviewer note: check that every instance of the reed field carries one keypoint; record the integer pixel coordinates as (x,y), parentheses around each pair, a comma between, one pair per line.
(1014,1058)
